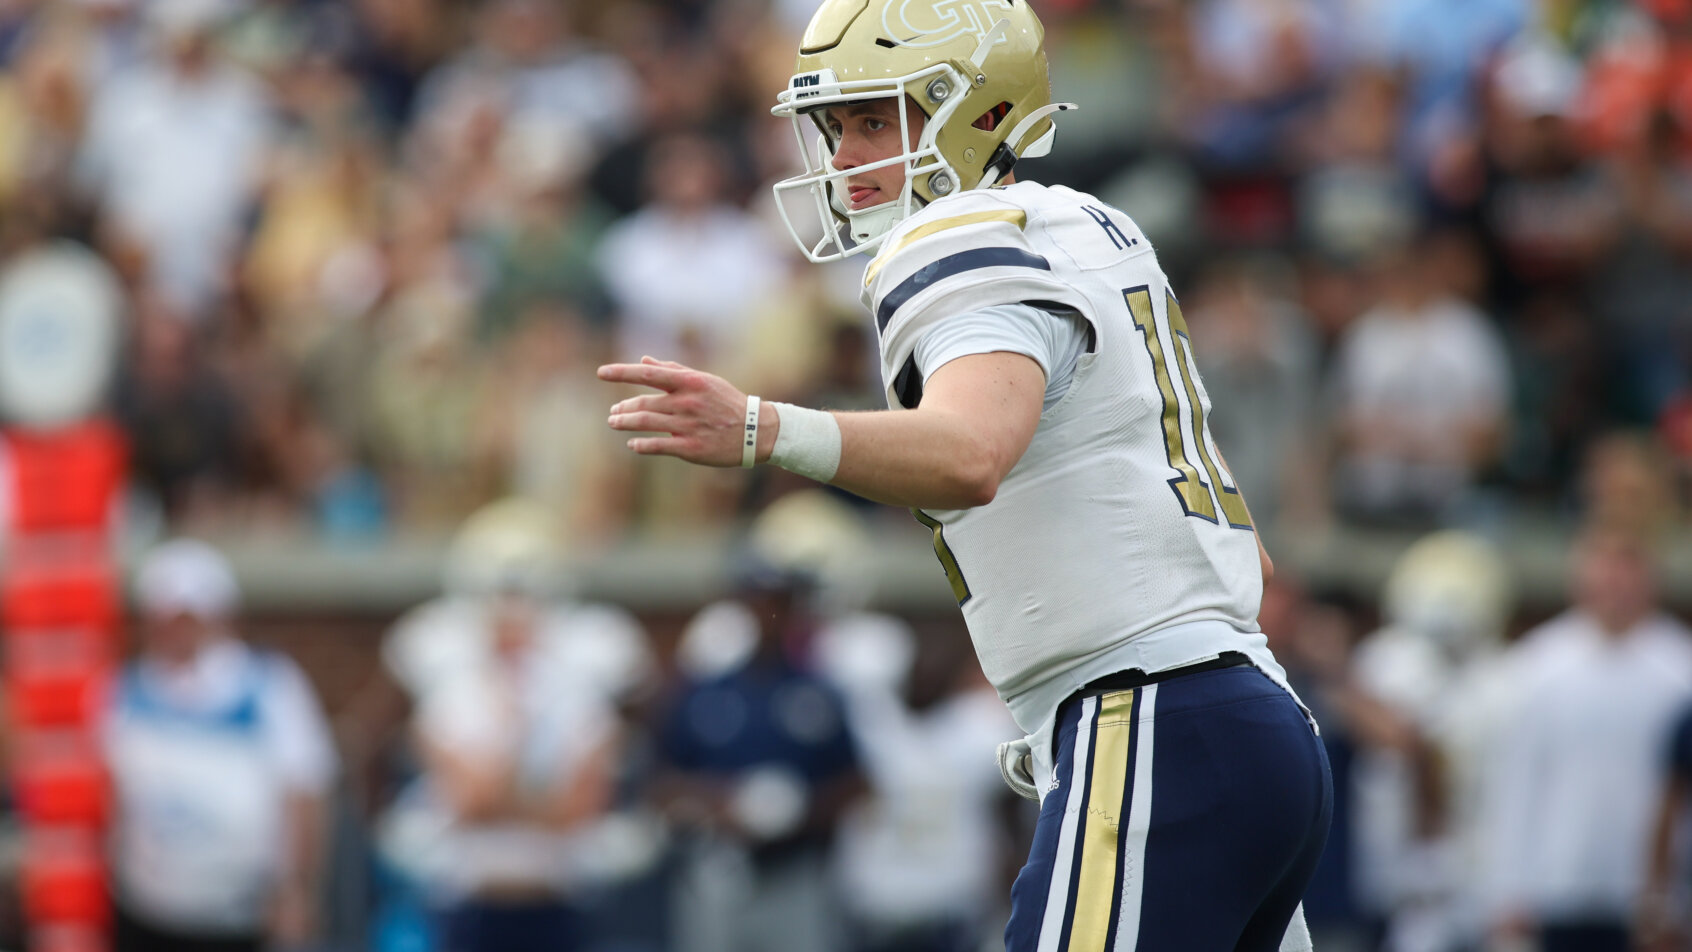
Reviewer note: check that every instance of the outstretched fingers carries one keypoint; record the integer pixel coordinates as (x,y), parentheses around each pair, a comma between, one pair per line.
(657,375)
(695,416)
(657,402)
(662,445)
(644,421)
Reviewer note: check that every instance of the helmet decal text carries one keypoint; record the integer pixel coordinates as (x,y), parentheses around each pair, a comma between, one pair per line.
(806,85)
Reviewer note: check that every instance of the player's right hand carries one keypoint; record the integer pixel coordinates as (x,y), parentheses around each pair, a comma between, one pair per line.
(702,416)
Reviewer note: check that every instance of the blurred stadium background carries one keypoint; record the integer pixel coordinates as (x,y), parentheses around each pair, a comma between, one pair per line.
(317,281)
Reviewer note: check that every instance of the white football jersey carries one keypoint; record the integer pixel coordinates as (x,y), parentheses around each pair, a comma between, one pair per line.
(1119,524)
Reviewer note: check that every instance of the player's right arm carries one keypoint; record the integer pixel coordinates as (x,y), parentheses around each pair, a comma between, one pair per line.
(946,449)
(977,416)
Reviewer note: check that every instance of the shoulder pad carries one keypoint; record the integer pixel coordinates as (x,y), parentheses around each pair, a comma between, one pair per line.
(960,254)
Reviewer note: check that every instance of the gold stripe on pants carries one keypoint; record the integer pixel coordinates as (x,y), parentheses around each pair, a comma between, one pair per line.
(1100,863)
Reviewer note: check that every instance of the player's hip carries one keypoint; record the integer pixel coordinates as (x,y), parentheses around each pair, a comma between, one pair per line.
(1242,716)
(1181,814)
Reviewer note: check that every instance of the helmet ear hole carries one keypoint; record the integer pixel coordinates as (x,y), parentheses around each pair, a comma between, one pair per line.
(989,120)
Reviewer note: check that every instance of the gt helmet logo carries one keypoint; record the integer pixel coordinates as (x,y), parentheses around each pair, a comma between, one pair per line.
(924,23)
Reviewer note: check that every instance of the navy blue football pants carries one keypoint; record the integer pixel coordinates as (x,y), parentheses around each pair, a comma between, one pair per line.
(1182,816)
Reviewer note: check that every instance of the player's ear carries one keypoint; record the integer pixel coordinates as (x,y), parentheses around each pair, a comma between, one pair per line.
(989,120)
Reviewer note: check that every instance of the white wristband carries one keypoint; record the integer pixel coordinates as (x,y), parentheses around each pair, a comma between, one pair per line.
(749,450)
(808,442)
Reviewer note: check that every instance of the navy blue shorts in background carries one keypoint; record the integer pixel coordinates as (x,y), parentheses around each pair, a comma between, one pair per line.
(1183,816)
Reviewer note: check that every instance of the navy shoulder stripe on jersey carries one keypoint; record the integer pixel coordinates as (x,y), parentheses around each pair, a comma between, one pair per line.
(948,266)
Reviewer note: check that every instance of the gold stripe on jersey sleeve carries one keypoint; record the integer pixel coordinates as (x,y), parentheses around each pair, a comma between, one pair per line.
(1015,216)
(1095,893)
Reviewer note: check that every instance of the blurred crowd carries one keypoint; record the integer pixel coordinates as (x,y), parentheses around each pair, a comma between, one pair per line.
(1436,256)
(524,769)
(1432,249)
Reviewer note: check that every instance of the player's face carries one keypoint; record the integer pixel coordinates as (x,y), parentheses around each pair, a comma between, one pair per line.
(175,637)
(866,133)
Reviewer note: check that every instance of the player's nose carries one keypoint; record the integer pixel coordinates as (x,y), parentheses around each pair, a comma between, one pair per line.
(848,153)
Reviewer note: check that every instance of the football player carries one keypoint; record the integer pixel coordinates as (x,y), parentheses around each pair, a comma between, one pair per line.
(1047,422)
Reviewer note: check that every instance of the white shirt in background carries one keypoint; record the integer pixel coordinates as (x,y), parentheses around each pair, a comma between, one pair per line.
(202,759)
(1573,793)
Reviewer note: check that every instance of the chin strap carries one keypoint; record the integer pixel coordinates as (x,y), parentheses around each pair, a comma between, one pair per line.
(1004,158)
(986,45)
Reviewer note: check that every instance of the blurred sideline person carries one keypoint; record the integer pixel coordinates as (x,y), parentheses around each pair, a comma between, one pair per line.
(514,691)
(1571,803)
(922,860)
(1313,635)
(756,760)
(221,765)
(1047,424)
(1437,669)
(1663,921)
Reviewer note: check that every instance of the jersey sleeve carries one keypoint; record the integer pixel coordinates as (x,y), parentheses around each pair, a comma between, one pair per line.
(959,255)
(1053,340)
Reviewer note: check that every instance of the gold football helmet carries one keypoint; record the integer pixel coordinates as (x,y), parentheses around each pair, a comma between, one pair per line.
(956,61)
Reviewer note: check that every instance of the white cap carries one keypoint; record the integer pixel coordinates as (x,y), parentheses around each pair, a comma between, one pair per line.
(508,547)
(183,18)
(186,577)
(1536,77)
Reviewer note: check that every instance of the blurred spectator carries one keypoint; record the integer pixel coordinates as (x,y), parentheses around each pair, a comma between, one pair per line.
(541,244)
(1437,666)
(221,764)
(1356,201)
(1645,284)
(44,103)
(1663,920)
(174,153)
(1420,386)
(1639,65)
(686,79)
(849,378)
(757,765)
(526,63)
(689,270)
(320,215)
(1258,359)
(1111,46)
(1572,797)
(1559,362)
(1628,485)
(1441,46)
(1552,214)
(185,425)
(923,862)
(548,426)
(1265,62)
(392,46)
(514,690)
(426,398)
(1312,638)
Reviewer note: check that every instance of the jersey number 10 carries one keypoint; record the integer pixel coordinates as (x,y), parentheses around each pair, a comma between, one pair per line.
(1199,498)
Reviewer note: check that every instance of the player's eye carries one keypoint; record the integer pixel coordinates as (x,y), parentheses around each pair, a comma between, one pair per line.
(874,125)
